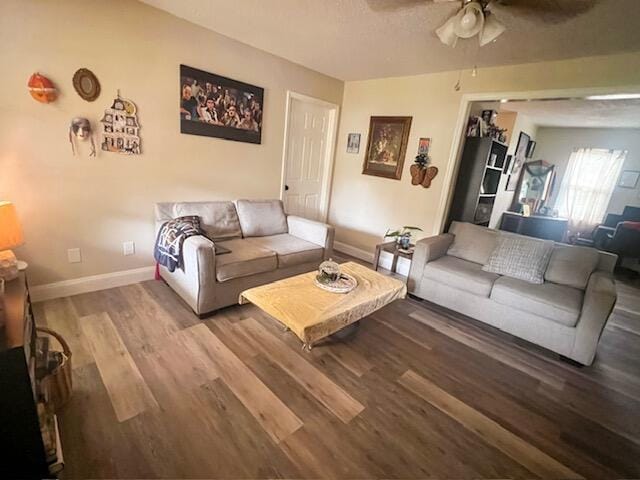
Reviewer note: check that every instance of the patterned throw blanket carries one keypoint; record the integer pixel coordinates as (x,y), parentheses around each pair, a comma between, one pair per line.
(172,234)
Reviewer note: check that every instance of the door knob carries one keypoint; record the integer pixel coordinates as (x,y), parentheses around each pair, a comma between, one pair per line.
(286,187)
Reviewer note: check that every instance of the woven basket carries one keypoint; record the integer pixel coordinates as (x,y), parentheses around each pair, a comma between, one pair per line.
(57,385)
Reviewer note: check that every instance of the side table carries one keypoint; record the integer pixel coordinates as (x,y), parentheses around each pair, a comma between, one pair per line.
(392,248)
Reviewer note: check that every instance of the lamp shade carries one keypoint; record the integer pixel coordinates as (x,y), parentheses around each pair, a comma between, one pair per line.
(492,30)
(447,34)
(10,229)
(469,21)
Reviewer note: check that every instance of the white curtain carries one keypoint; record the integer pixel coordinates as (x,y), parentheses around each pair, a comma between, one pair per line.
(587,186)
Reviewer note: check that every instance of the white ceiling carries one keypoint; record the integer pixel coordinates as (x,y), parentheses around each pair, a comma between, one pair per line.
(360,39)
(580,113)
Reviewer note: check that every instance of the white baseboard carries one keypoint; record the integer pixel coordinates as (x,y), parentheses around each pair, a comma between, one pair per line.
(92,283)
(385,258)
(354,251)
(75,286)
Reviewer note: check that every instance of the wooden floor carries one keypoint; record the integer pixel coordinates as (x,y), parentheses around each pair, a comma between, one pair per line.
(417,393)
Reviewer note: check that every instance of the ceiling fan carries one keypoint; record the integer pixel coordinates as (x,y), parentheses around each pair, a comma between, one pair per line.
(480,17)
(474,18)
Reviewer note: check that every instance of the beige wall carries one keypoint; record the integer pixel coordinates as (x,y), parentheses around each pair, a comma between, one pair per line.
(504,198)
(97,203)
(363,207)
(556,144)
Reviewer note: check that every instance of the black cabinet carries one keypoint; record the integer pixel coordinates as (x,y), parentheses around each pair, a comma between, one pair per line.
(478,181)
(547,228)
(22,453)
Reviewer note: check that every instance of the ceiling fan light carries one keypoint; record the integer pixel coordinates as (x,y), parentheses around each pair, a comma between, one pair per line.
(446,33)
(469,21)
(492,30)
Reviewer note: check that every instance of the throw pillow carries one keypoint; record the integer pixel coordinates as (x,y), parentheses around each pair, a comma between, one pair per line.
(522,258)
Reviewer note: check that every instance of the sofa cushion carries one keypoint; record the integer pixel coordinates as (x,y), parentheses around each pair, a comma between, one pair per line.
(244,260)
(460,274)
(558,303)
(218,220)
(260,218)
(571,266)
(520,257)
(472,242)
(289,249)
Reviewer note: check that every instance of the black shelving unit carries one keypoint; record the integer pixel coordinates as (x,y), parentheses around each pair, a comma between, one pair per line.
(478,181)
(22,453)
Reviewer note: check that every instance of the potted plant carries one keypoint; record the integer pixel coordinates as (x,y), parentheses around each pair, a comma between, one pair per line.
(402,235)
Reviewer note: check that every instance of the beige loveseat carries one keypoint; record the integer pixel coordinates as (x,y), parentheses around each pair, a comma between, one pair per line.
(565,314)
(266,245)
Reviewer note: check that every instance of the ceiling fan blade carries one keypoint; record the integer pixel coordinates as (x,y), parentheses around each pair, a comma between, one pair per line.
(552,11)
(389,5)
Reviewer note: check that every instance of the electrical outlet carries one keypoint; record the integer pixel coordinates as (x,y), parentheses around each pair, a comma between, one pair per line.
(128,248)
(73,255)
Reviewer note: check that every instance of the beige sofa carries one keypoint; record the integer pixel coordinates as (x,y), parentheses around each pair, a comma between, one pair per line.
(565,314)
(266,245)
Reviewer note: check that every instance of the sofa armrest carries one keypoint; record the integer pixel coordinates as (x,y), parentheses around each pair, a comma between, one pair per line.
(195,283)
(427,250)
(315,232)
(599,300)
(199,257)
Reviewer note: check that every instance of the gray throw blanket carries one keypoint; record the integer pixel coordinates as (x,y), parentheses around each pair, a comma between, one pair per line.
(172,234)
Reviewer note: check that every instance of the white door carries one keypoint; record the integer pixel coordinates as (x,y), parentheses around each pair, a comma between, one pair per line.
(309,142)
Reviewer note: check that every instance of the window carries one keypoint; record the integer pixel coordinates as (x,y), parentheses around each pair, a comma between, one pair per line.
(587,186)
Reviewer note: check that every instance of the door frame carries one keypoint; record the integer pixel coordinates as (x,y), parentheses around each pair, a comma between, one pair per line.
(455,154)
(332,129)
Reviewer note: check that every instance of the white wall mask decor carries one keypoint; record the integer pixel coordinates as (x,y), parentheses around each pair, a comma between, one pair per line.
(80,131)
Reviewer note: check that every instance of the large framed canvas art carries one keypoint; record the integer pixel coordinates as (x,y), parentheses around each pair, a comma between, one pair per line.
(215,106)
(386,146)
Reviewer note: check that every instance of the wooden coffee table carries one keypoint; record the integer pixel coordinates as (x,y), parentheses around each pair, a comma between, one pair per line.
(314,314)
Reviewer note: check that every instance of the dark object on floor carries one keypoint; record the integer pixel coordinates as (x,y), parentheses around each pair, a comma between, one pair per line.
(347,332)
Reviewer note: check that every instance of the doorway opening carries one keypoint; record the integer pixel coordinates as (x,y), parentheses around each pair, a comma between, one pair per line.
(563,169)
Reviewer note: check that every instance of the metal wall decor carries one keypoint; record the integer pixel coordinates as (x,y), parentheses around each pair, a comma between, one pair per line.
(120,128)
(86,84)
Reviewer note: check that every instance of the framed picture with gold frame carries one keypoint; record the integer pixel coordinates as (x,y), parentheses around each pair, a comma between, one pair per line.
(386,146)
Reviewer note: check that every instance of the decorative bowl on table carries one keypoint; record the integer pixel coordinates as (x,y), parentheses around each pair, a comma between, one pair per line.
(330,278)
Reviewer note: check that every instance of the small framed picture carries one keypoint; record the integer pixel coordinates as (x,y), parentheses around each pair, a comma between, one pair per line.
(507,164)
(531,148)
(353,143)
(629,179)
(423,146)
(489,116)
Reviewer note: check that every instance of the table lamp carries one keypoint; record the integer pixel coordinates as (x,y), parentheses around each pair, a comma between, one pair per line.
(10,236)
